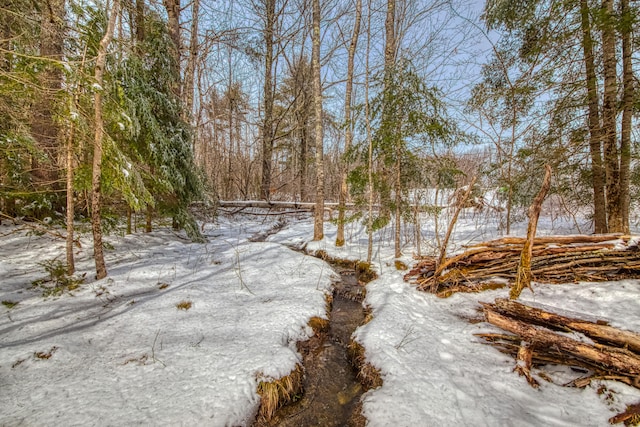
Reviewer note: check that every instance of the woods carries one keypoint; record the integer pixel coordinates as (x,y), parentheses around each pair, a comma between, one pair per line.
(338,101)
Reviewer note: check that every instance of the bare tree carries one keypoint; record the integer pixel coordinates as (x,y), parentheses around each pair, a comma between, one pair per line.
(318,223)
(268,97)
(96,203)
(348,138)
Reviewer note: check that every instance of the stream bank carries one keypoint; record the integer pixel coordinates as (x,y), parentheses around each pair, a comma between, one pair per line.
(331,389)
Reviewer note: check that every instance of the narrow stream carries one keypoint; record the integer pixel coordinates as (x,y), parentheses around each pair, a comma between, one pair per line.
(331,390)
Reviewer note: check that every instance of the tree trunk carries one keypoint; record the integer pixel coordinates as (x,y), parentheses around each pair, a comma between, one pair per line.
(459,207)
(348,138)
(318,222)
(523,275)
(267,124)
(71,268)
(303,144)
(627,113)
(173,24)
(389,62)
(367,118)
(139,21)
(148,226)
(189,72)
(595,130)
(609,112)
(96,203)
(44,129)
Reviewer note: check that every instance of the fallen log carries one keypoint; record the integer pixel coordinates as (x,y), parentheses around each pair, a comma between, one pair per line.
(599,331)
(612,359)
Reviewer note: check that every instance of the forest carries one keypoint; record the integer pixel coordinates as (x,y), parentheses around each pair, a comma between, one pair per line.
(390,133)
(141,108)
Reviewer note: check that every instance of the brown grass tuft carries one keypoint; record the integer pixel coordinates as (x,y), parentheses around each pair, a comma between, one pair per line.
(276,393)
(368,315)
(357,419)
(319,325)
(368,375)
(184,305)
(364,272)
(401,266)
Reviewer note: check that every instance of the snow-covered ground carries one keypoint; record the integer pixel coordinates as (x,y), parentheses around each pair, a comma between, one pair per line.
(120,351)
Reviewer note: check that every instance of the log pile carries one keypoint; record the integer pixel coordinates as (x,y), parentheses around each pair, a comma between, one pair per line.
(537,337)
(555,259)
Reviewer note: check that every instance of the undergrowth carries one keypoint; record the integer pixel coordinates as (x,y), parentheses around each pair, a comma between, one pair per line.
(58,280)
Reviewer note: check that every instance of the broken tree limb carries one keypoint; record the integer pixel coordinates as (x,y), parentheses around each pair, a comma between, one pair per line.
(461,203)
(556,240)
(632,412)
(610,358)
(523,275)
(555,259)
(598,331)
(523,363)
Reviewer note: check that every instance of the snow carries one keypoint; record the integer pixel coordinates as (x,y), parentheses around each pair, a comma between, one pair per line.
(122,353)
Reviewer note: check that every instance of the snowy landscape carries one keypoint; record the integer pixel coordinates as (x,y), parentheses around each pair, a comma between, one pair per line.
(181,333)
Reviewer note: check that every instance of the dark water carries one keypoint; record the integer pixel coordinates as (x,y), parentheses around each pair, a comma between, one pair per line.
(332,391)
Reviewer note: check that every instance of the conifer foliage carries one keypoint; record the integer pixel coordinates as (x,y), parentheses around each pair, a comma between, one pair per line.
(112,111)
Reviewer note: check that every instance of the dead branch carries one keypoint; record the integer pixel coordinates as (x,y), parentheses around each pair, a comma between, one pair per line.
(524,275)
(554,259)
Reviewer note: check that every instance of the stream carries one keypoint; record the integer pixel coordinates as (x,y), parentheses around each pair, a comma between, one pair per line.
(331,390)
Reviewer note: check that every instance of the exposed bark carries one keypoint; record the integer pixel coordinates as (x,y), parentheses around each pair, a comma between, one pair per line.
(348,138)
(318,222)
(598,331)
(609,112)
(595,130)
(523,363)
(523,276)
(631,413)
(613,359)
(96,203)
(628,89)
(267,123)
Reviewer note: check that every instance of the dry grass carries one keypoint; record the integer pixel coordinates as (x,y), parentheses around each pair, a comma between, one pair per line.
(184,305)
(364,272)
(276,393)
(401,266)
(368,375)
(319,325)
(357,419)
(368,315)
